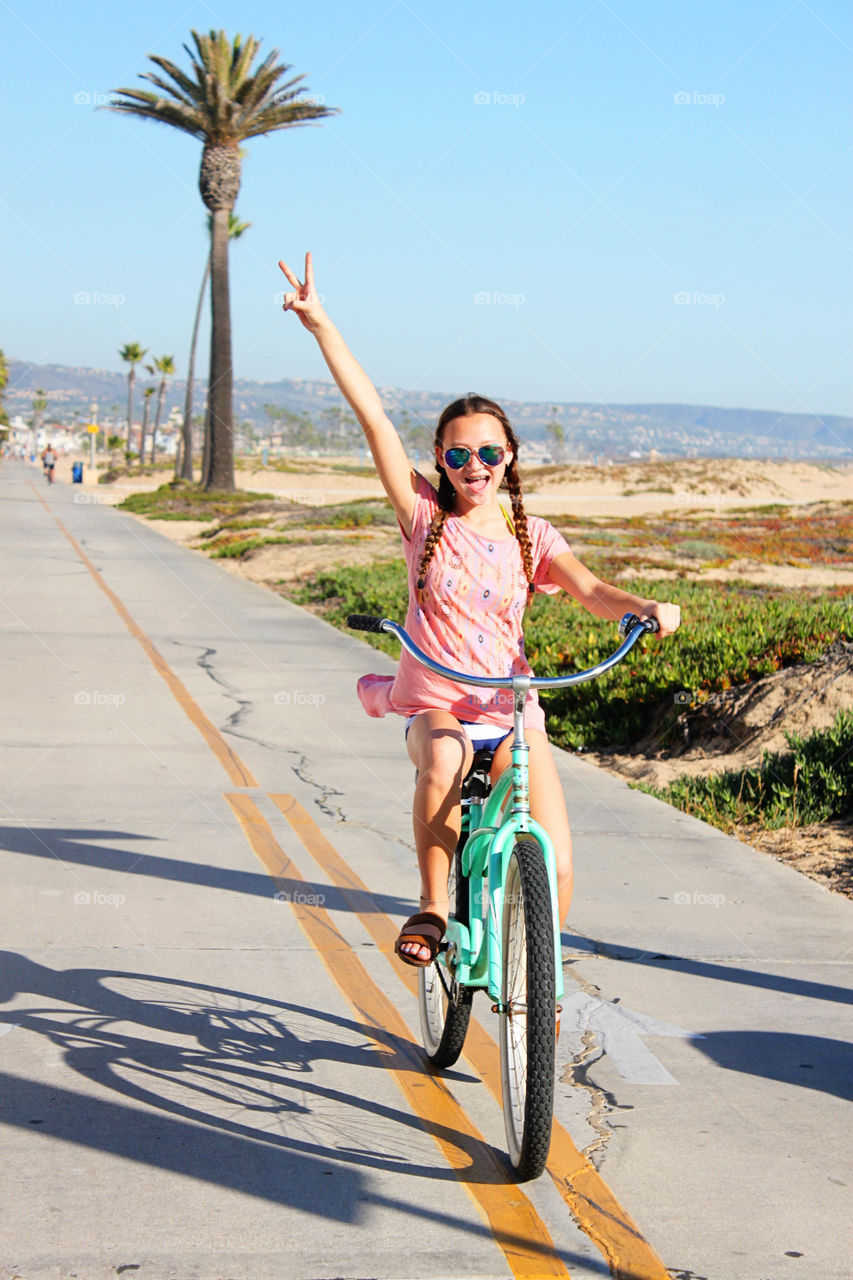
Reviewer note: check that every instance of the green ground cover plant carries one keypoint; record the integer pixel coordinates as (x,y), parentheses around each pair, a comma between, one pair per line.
(731,633)
(821,533)
(350,515)
(235,524)
(813,782)
(237,548)
(179,500)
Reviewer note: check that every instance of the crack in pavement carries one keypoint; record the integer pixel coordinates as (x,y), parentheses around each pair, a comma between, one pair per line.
(601,1101)
(326,792)
(244,705)
(301,771)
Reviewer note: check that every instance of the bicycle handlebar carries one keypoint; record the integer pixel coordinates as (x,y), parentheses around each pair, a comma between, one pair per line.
(631,628)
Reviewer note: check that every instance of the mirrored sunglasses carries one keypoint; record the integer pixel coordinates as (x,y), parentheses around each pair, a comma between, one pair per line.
(490,454)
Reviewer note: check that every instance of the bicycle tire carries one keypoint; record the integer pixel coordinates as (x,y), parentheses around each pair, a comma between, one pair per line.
(528,1010)
(444,1007)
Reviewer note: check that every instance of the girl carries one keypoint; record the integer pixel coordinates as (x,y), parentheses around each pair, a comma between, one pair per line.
(472,567)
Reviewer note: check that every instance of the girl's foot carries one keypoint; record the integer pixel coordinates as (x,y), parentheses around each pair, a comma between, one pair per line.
(416,951)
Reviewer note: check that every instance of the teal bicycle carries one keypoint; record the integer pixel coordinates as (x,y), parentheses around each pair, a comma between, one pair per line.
(503,934)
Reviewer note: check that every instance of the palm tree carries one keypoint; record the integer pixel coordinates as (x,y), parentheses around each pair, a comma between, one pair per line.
(147,394)
(555,432)
(225,103)
(39,406)
(131,353)
(165,366)
(4,378)
(184,454)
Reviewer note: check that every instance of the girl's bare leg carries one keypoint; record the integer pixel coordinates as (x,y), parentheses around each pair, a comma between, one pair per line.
(547,806)
(441,752)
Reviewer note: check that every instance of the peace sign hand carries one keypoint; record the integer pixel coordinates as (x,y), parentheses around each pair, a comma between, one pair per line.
(304,301)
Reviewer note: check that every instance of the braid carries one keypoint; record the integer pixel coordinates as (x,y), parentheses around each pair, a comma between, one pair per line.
(519,516)
(446,495)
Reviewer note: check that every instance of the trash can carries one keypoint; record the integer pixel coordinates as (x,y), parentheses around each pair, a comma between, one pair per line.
(77,473)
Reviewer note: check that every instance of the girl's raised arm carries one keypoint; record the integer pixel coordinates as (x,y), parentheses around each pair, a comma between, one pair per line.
(392,465)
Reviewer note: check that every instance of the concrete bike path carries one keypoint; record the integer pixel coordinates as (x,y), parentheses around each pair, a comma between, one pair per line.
(188,1088)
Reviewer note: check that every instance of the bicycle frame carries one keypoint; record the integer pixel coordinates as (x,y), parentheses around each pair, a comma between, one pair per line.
(473,951)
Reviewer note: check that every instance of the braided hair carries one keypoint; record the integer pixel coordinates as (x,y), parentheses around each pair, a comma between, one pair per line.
(466,408)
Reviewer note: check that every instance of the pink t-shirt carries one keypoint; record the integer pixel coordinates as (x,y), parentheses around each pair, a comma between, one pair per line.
(470,615)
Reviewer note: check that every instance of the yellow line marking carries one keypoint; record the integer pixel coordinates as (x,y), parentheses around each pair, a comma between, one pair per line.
(593,1204)
(517,1227)
(239,773)
(515,1224)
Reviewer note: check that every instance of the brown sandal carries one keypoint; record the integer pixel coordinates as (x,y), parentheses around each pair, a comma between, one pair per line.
(427,930)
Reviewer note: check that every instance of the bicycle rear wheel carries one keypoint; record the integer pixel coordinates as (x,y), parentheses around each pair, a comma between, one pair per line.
(443,1005)
(528,1010)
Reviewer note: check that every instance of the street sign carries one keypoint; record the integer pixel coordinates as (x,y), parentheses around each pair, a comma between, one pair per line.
(93,428)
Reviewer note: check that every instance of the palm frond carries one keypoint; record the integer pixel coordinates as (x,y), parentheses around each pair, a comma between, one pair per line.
(138,102)
(221,99)
(185,84)
(287,116)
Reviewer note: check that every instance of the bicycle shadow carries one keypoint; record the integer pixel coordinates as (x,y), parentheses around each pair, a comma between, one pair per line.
(814,1062)
(76,847)
(216,1084)
(707,969)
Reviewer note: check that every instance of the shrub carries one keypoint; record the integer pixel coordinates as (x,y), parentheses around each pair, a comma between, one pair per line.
(813,782)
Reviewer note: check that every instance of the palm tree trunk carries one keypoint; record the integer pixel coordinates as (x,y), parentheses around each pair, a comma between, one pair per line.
(130,377)
(186,469)
(205,447)
(220,393)
(144,431)
(160,397)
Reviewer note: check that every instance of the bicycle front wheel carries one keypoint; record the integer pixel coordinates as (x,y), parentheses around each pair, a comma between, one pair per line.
(528,1010)
(445,1006)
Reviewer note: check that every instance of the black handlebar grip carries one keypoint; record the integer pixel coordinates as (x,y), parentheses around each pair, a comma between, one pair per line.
(364,622)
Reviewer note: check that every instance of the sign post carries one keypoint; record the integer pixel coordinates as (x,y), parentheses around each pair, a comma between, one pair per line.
(93,436)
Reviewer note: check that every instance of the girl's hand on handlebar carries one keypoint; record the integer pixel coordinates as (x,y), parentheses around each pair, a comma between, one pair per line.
(304,301)
(668,616)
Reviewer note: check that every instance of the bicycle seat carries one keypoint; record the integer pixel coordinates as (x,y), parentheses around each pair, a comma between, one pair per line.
(476,782)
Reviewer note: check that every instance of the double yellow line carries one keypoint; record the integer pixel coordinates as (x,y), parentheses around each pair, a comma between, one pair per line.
(517,1227)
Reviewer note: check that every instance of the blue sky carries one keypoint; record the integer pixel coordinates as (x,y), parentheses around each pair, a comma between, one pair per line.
(614,200)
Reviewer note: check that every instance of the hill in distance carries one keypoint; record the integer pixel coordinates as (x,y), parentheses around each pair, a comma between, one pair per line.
(673,430)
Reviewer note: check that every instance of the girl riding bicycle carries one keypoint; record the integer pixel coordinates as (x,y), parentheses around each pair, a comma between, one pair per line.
(472,568)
